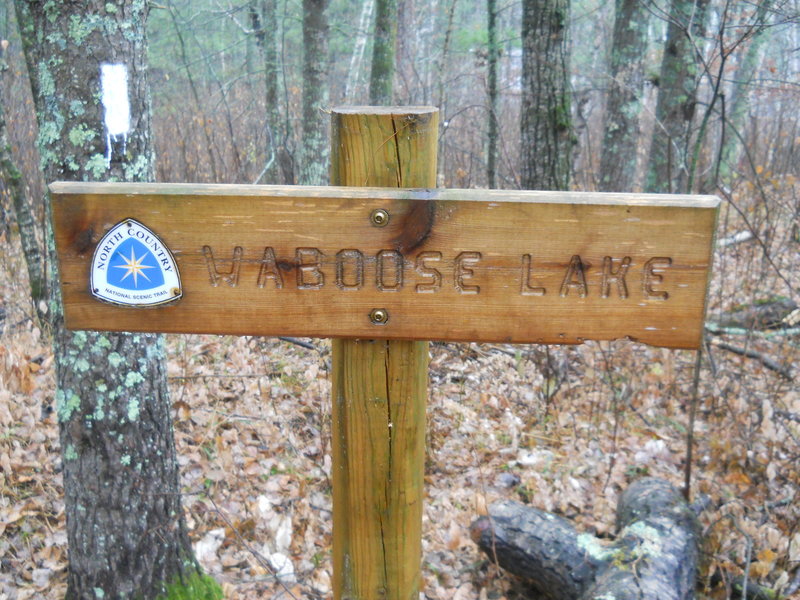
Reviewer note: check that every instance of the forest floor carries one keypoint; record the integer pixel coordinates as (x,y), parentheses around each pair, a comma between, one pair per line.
(565,429)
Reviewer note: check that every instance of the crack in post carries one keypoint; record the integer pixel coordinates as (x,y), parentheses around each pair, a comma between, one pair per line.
(397,154)
(390,440)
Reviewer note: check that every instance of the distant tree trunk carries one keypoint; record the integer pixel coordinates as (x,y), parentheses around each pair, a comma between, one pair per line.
(11,180)
(125,528)
(740,95)
(677,97)
(315,150)
(265,24)
(353,73)
(546,122)
(491,77)
(624,105)
(440,98)
(383,46)
(441,64)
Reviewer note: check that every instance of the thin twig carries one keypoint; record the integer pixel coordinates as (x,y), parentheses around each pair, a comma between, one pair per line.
(794,586)
(687,472)
(788,415)
(257,555)
(301,343)
(717,329)
(765,360)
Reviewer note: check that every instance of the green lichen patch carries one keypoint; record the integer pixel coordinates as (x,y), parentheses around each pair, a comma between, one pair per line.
(51,10)
(96,166)
(133,378)
(79,339)
(133,410)
(77,108)
(650,538)
(66,404)
(103,343)
(138,169)
(47,85)
(99,412)
(81,27)
(115,359)
(49,132)
(193,586)
(80,134)
(592,546)
(70,453)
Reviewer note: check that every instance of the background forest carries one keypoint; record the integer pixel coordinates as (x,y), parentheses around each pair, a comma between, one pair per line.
(562,428)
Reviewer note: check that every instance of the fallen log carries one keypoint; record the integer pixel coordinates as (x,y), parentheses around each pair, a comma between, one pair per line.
(654,555)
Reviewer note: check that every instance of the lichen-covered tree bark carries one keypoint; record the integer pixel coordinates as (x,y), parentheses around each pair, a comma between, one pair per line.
(655,553)
(546,122)
(315,149)
(125,527)
(382,73)
(625,90)
(677,98)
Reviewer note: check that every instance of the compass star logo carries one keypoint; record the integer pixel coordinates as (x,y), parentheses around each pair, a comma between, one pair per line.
(134,267)
(131,266)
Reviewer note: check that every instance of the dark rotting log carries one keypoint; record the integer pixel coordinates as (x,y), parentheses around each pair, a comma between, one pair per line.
(654,555)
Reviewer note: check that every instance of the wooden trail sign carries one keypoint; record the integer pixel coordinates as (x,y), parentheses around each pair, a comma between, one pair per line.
(457,265)
(378,268)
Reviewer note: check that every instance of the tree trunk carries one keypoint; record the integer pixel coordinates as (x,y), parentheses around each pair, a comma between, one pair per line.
(654,555)
(315,151)
(362,36)
(546,122)
(267,38)
(11,180)
(677,97)
(383,43)
(491,83)
(624,105)
(743,80)
(125,526)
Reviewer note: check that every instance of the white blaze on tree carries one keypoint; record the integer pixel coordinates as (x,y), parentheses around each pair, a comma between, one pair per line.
(114,85)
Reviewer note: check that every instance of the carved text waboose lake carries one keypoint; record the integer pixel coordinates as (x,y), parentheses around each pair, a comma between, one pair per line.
(351,270)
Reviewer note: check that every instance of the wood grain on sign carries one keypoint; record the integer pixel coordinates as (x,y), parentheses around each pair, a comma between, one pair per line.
(459,265)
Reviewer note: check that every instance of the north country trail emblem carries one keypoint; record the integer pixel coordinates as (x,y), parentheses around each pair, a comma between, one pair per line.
(131,266)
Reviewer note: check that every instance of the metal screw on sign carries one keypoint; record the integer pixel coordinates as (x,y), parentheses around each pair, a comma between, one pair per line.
(379,316)
(379,217)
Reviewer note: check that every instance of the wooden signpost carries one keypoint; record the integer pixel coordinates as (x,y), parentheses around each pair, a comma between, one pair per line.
(376,269)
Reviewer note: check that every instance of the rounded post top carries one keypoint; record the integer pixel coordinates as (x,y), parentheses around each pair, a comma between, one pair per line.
(384,110)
